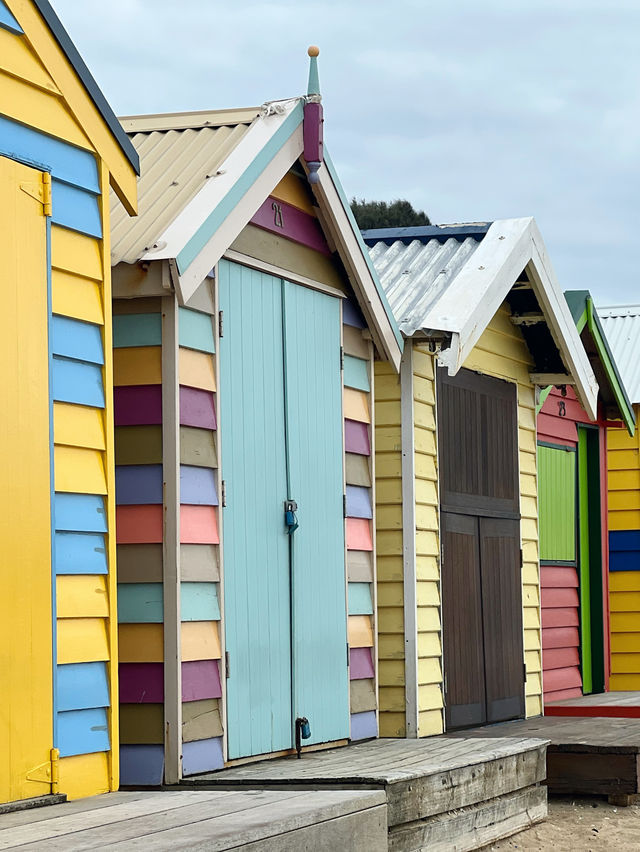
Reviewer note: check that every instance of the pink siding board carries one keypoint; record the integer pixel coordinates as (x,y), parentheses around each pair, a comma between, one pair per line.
(200,680)
(359,534)
(360,664)
(198,525)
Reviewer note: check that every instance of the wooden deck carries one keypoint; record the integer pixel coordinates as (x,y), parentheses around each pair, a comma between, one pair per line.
(439,791)
(586,755)
(610,705)
(265,820)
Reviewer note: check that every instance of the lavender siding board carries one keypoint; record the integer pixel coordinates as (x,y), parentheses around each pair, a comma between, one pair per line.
(75,209)
(81,685)
(140,603)
(288,221)
(356,373)
(139,405)
(197,408)
(356,438)
(351,314)
(77,382)
(72,338)
(198,486)
(364,725)
(360,664)
(141,683)
(360,602)
(82,731)
(199,602)
(138,484)
(201,679)
(358,502)
(137,330)
(80,513)
(195,330)
(202,756)
(141,765)
(80,553)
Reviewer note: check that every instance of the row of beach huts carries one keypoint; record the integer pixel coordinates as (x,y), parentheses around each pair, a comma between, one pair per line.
(268,482)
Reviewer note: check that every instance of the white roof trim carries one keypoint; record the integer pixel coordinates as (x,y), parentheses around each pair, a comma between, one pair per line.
(472,299)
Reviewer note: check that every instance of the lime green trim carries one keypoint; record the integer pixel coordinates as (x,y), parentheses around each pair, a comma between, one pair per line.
(582,321)
(584,569)
(626,409)
(557,503)
(544,393)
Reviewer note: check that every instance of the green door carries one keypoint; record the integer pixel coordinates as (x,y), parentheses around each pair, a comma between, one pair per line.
(281,438)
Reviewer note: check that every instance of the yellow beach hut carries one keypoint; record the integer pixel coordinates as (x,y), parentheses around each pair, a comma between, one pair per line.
(485,325)
(61,148)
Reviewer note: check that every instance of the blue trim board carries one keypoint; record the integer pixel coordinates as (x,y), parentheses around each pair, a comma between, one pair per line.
(81,341)
(80,553)
(93,90)
(242,185)
(82,685)
(75,209)
(80,513)
(52,499)
(426,233)
(78,382)
(83,731)
(8,22)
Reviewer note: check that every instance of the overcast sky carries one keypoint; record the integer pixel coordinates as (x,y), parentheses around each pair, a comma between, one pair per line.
(473,111)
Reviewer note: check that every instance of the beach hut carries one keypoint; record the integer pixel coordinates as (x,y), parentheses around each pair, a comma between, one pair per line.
(485,325)
(573,503)
(247,317)
(622,327)
(61,147)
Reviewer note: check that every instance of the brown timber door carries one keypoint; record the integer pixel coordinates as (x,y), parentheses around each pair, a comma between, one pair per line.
(481,566)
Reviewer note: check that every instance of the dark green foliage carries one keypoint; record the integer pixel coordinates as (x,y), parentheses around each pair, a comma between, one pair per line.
(384,214)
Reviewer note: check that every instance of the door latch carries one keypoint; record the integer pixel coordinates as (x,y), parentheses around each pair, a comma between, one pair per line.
(290,517)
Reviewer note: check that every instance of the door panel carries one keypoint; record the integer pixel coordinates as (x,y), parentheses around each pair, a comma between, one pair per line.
(502,618)
(256,547)
(314,440)
(26,653)
(462,622)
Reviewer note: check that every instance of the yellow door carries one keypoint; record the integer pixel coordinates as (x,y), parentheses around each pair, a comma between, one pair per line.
(26,653)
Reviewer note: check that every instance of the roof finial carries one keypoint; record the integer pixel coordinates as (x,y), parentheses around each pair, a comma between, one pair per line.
(313,87)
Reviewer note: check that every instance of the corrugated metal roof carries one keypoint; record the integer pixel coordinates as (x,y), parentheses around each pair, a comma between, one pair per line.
(178,153)
(622,326)
(414,276)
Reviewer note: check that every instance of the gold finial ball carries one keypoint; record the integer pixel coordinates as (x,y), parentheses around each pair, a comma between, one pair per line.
(313,50)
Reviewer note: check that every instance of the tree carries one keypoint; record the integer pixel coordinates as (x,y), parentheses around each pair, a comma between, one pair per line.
(383,214)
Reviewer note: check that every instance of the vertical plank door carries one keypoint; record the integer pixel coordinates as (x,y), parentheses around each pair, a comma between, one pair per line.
(256,546)
(315,452)
(26,653)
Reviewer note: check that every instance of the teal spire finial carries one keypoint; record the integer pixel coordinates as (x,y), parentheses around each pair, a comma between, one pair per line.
(313,87)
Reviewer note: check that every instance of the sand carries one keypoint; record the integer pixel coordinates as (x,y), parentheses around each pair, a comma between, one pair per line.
(580,824)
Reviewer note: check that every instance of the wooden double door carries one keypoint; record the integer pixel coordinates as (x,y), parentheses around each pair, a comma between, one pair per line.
(481,556)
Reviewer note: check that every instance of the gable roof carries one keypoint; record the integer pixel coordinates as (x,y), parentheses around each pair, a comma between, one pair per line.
(621,324)
(612,389)
(205,174)
(449,282)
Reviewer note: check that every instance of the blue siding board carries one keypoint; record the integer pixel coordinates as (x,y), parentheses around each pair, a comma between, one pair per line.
(80,553)
(82,731)
(140,603)
(195,330)
(80,513)
(624,540)
(360,602)
(82,685)
(624,550)
(356,374)
(137,330)
(202,756)
(359,502)
(138,484)
(8,22)
(76,209)
(77,382)
(64,161)
(141,765)
(198,486)
(364,725)
(81,341)
(199,602)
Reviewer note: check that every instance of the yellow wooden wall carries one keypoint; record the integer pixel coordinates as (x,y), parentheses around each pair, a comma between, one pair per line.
(623,462)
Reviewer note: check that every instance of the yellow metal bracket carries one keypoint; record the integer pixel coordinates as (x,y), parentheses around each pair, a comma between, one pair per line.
(40,191)
(48,772)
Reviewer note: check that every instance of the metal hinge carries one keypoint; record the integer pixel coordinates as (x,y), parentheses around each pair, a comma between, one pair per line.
(521,559)
(220,324)
(223,488)
(40,191)
(348,659)
(342,357)
(524,672)
(344,505)
(227,667)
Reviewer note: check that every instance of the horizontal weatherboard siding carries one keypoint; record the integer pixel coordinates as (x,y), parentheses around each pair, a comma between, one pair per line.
(82,685)
(141,765)
(138,484)
(356,438)
(141,683)
(140,603)
(141,365)
(83,731)
(198,525)
(197,408)
(202,756)
(358,502)
(80,513)
(77,382)
(195,330)
(356,374)
(198,486)
(76,209)
(201,680)
(80,553)
(138,524)
(132,330)
(364,725)
(138,406)
(199,602)
(360,602)
(81,341)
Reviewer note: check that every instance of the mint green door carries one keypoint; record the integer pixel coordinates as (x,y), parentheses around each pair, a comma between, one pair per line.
(281,438)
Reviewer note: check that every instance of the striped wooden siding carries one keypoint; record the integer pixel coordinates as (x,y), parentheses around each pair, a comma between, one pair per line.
(502,353)
(623,462)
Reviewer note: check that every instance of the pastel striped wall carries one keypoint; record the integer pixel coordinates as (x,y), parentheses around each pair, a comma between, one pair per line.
(623,460)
